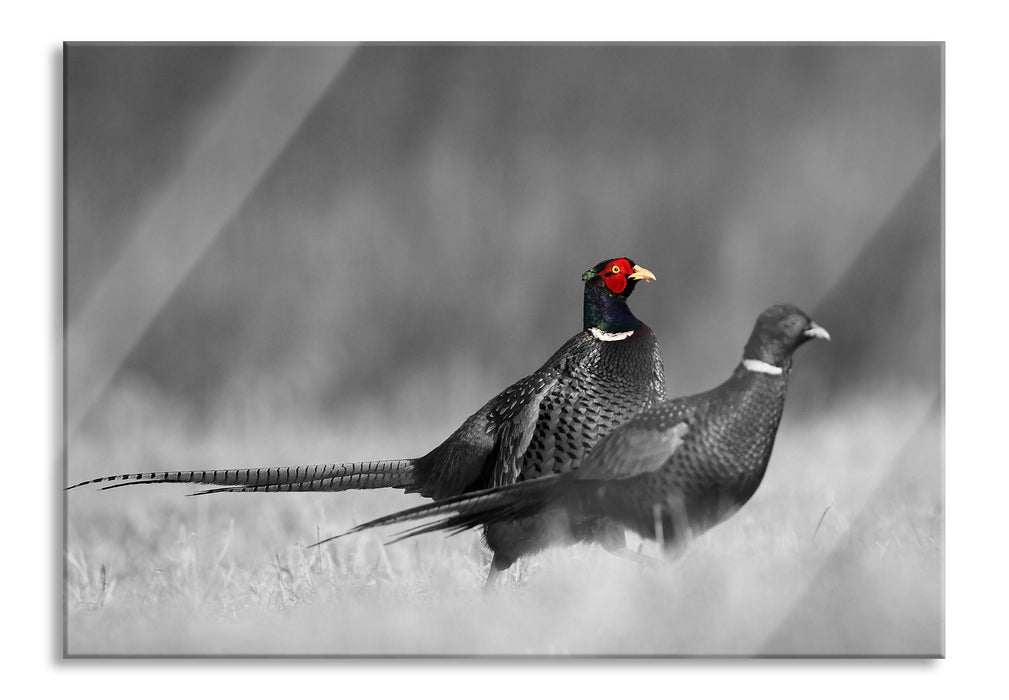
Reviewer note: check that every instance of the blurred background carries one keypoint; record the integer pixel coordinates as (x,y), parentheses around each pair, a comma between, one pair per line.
(313,253)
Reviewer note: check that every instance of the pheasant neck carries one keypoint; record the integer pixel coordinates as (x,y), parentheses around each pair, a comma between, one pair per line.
(607,313)
(753,405)
(750,373)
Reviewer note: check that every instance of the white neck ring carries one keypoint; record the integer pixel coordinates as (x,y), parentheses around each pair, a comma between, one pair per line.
(608,337)
(762,367)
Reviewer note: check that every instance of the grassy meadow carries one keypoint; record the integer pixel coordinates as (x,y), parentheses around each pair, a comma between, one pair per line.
(839,552)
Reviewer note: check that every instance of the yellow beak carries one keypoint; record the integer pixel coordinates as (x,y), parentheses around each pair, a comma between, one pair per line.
(641,273)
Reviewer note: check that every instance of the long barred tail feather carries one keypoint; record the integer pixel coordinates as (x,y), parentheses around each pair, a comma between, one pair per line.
(396,473)
(468,510)
(364,475)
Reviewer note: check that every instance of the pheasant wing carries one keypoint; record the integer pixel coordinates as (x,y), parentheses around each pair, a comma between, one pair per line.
(517,414)
(643,444)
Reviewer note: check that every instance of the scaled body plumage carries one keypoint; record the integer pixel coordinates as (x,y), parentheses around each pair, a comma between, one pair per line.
(674,470)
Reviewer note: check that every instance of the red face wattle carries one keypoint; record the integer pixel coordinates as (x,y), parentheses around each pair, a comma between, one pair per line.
(615,274)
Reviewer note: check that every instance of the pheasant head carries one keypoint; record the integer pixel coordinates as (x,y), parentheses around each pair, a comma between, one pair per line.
(607,286)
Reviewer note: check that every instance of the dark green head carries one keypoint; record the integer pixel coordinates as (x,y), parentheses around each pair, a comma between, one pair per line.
(607,286)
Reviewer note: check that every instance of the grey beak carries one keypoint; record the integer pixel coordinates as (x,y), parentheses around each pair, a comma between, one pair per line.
(816,331)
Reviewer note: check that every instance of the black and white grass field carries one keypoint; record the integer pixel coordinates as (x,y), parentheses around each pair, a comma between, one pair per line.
(296,255)
(838,553)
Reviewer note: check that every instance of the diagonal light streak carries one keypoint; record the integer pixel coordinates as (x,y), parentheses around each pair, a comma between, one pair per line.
(858,496)
(242,137)
(906,430)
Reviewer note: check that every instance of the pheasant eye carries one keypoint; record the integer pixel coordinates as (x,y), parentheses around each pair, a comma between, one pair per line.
(615,269)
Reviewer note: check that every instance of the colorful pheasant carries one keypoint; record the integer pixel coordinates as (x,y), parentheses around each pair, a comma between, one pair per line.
(674,470)
(543,424)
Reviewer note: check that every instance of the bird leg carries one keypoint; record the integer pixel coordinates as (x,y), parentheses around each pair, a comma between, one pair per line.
(633,555)
(630,545)
(498,566)
(674,544)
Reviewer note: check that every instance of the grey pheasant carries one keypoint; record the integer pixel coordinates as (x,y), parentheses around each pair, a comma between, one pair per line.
(674,470)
